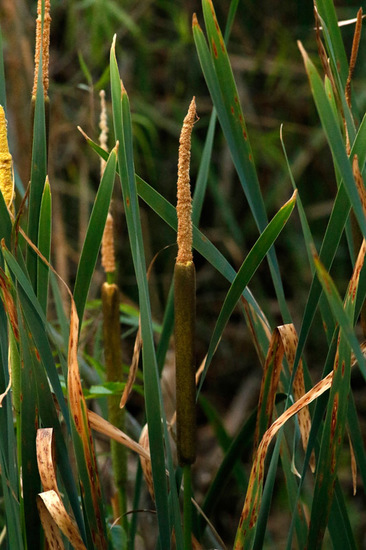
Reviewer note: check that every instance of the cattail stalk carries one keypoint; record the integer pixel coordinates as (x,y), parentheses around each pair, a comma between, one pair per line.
(113,366)
(42,43)
(185,303)
(112,340)
(185,316)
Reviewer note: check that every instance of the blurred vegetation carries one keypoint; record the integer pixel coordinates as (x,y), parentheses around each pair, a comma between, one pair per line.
(161,72)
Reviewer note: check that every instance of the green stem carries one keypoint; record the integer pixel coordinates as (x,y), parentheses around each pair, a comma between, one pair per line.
(187,507)
(185,311)
(113,363)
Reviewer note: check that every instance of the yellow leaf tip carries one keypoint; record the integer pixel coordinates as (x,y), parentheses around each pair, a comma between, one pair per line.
(302,50)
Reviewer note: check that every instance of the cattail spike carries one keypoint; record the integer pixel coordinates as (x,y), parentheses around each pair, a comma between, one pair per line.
(108,257)
(44,40)
(184,200)
(6,170)
(104,130)
(354,52)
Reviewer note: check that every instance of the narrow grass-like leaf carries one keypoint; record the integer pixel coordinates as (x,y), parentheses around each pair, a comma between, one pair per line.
(11,505)
(340,528)
(339,313)
(38,324)
(83,445)
(221,84)
(267,496)
(26,431)
(340,212)
(201,243)
(334,137)
(270,378)
(44,245)
(47,409)
(153,400)
(225,96)
(245,273)
(336,417)
(248,519)
(202,177)
(38,174)
(94,234)
(8,458)
(332,439)
(5,223)
(327,13)
(242,441)
(356,438)
(342,111)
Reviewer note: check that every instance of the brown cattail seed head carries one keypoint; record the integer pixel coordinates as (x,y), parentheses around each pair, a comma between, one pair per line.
(6,170)
(45,41)
(184,199)
(108,258)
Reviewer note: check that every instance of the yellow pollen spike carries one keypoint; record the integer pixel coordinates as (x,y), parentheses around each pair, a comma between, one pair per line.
(6,170)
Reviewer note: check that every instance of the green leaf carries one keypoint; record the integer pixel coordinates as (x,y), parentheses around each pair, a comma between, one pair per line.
(94,234)
(245,273)
(38,173)
(219,78)
(44,245)
(153,399)
(334,137)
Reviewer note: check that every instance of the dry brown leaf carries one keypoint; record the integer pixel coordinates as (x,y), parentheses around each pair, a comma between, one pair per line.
(54,517)
(290,341)
(79,414)
(146,464)
(50,527)
(46,459)
(102,426)
(272,367)
(257,472)
(359,182)
(133,368)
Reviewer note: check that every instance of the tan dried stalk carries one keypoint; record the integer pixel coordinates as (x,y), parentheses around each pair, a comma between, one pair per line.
(44,40)
(184,199)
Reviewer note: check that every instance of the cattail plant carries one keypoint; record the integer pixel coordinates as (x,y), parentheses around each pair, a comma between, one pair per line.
(185,303)
(43,28)
(112,339)
(6,166)
(185,313)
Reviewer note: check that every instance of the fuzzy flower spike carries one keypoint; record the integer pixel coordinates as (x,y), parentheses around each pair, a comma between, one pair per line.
(6,165)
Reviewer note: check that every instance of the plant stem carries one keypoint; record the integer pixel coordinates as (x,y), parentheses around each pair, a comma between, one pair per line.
(113,363)
(187,507)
